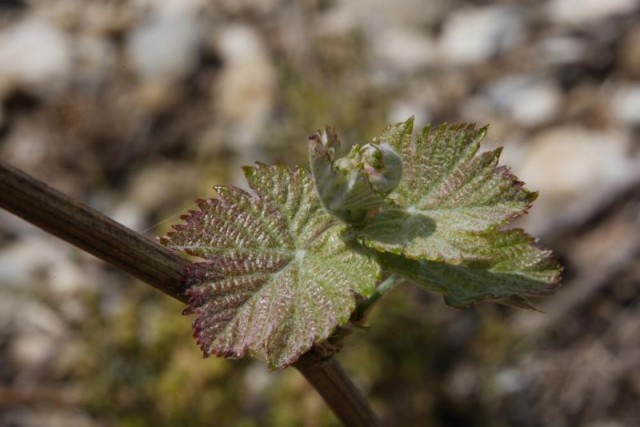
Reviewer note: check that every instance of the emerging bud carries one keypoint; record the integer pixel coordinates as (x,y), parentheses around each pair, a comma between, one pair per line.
(351,186)
(383,167)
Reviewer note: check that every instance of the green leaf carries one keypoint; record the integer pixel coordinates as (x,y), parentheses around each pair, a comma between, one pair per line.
(514,268)
(448,193)
(277,275)
(441,226)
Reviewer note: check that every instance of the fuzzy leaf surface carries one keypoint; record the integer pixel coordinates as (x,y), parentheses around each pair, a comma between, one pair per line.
(276,275)
(448,194)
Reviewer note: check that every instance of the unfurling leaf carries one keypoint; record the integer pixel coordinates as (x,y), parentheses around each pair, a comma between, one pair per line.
(351,186)
(382,166)
(276,275)
(441,225)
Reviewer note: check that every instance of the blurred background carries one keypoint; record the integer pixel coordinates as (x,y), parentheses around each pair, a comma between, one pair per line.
(137,107)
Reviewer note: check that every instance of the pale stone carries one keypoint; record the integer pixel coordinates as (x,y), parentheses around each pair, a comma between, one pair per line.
(625,104)
(580,12)
(574,169)
(35,55)
(404,50)
(372,16)
(473,35)
(39,331)
(27,262)
(170,7)
(527,100)
(245,90)
(165,47)
(571,161)
(536,104)
(561,50)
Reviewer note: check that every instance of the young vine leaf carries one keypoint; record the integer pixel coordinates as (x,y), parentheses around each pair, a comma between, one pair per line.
(276,274)
(441,225)
(286,264)
(446,196)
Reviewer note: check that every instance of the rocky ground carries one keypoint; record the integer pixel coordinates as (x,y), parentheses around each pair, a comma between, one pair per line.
(137,107)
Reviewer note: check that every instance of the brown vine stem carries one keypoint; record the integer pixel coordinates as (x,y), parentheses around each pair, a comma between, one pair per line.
(93,232)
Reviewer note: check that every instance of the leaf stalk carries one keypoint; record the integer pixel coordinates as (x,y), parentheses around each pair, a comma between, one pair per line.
(385,286)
